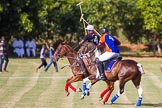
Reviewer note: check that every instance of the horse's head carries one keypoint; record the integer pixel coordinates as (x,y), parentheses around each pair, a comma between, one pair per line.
(87,47)
(62,50)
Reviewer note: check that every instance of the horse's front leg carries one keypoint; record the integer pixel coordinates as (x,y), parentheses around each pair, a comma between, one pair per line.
(71,80)
(87,88)
(67,86)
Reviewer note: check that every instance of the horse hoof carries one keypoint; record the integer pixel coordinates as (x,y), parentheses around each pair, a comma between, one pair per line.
(88,93)
(79,90)
(110,103)
(82,97)
(138,104)
(100,98)
(103,103)
(67,94)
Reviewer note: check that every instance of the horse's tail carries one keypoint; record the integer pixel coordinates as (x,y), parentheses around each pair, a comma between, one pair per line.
(140,68)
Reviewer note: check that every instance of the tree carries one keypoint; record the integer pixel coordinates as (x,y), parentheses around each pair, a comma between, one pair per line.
(152,14)
(59,19)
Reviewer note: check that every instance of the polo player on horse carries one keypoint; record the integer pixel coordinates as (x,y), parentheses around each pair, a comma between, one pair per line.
(90,37)
(110,44)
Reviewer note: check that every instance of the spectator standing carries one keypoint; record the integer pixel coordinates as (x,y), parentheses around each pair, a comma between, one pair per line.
(30,47)
(3,54)
(42,57)
(51,53)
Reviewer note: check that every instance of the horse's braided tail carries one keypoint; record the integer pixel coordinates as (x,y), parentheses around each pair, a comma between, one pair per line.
(140,68)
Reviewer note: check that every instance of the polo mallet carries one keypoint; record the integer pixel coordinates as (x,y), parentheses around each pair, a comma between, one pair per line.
(81,12)
(89,24)
(84,21)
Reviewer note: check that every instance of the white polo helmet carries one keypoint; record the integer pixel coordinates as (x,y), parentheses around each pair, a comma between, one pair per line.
(90,27)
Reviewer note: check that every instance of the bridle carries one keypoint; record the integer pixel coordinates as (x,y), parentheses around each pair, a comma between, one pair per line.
(67,49)
(58,52)
(64,53)
(89,53)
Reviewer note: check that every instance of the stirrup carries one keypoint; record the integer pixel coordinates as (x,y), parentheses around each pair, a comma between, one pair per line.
(101,78)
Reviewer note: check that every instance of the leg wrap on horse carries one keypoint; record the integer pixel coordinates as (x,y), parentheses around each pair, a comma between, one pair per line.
(107,97)
(66,87)
(72,87)
(84,87)
(104,92)
(114,98)
(139,101)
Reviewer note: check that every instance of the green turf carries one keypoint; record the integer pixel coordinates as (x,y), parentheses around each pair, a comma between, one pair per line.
(23,87)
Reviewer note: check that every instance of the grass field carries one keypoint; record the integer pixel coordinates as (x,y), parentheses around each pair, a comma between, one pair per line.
(23,87)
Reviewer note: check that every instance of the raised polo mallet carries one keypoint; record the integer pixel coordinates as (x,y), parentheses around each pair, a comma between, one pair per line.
(84,21)
(89,24)
(81,12)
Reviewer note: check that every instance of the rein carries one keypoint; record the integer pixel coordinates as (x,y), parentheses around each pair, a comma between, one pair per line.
(67,49)
(88,50)
(89,54)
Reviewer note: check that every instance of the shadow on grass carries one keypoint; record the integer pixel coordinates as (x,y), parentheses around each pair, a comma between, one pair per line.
(153,105)
(143,104)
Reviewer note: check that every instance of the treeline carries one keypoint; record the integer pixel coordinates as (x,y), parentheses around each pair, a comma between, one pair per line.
(138,21)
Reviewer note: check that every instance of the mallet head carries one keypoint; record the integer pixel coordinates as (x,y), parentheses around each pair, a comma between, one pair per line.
(79,4)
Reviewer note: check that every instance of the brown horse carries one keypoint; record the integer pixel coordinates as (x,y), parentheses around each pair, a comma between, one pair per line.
(65,50)
(122,70)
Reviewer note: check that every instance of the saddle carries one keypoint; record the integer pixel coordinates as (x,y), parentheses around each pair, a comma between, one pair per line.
(81,64)
(108,64)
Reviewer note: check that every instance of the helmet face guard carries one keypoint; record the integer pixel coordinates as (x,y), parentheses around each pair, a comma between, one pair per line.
(103,30)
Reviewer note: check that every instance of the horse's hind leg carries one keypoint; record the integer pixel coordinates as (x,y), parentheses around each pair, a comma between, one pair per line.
(121,90)
(140,91)
(136,83)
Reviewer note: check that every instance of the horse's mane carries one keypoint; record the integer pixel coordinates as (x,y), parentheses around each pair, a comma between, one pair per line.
(70,48)
(87,47)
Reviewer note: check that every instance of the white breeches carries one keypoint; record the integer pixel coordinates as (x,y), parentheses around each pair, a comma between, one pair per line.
(97,53)
(107,56)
